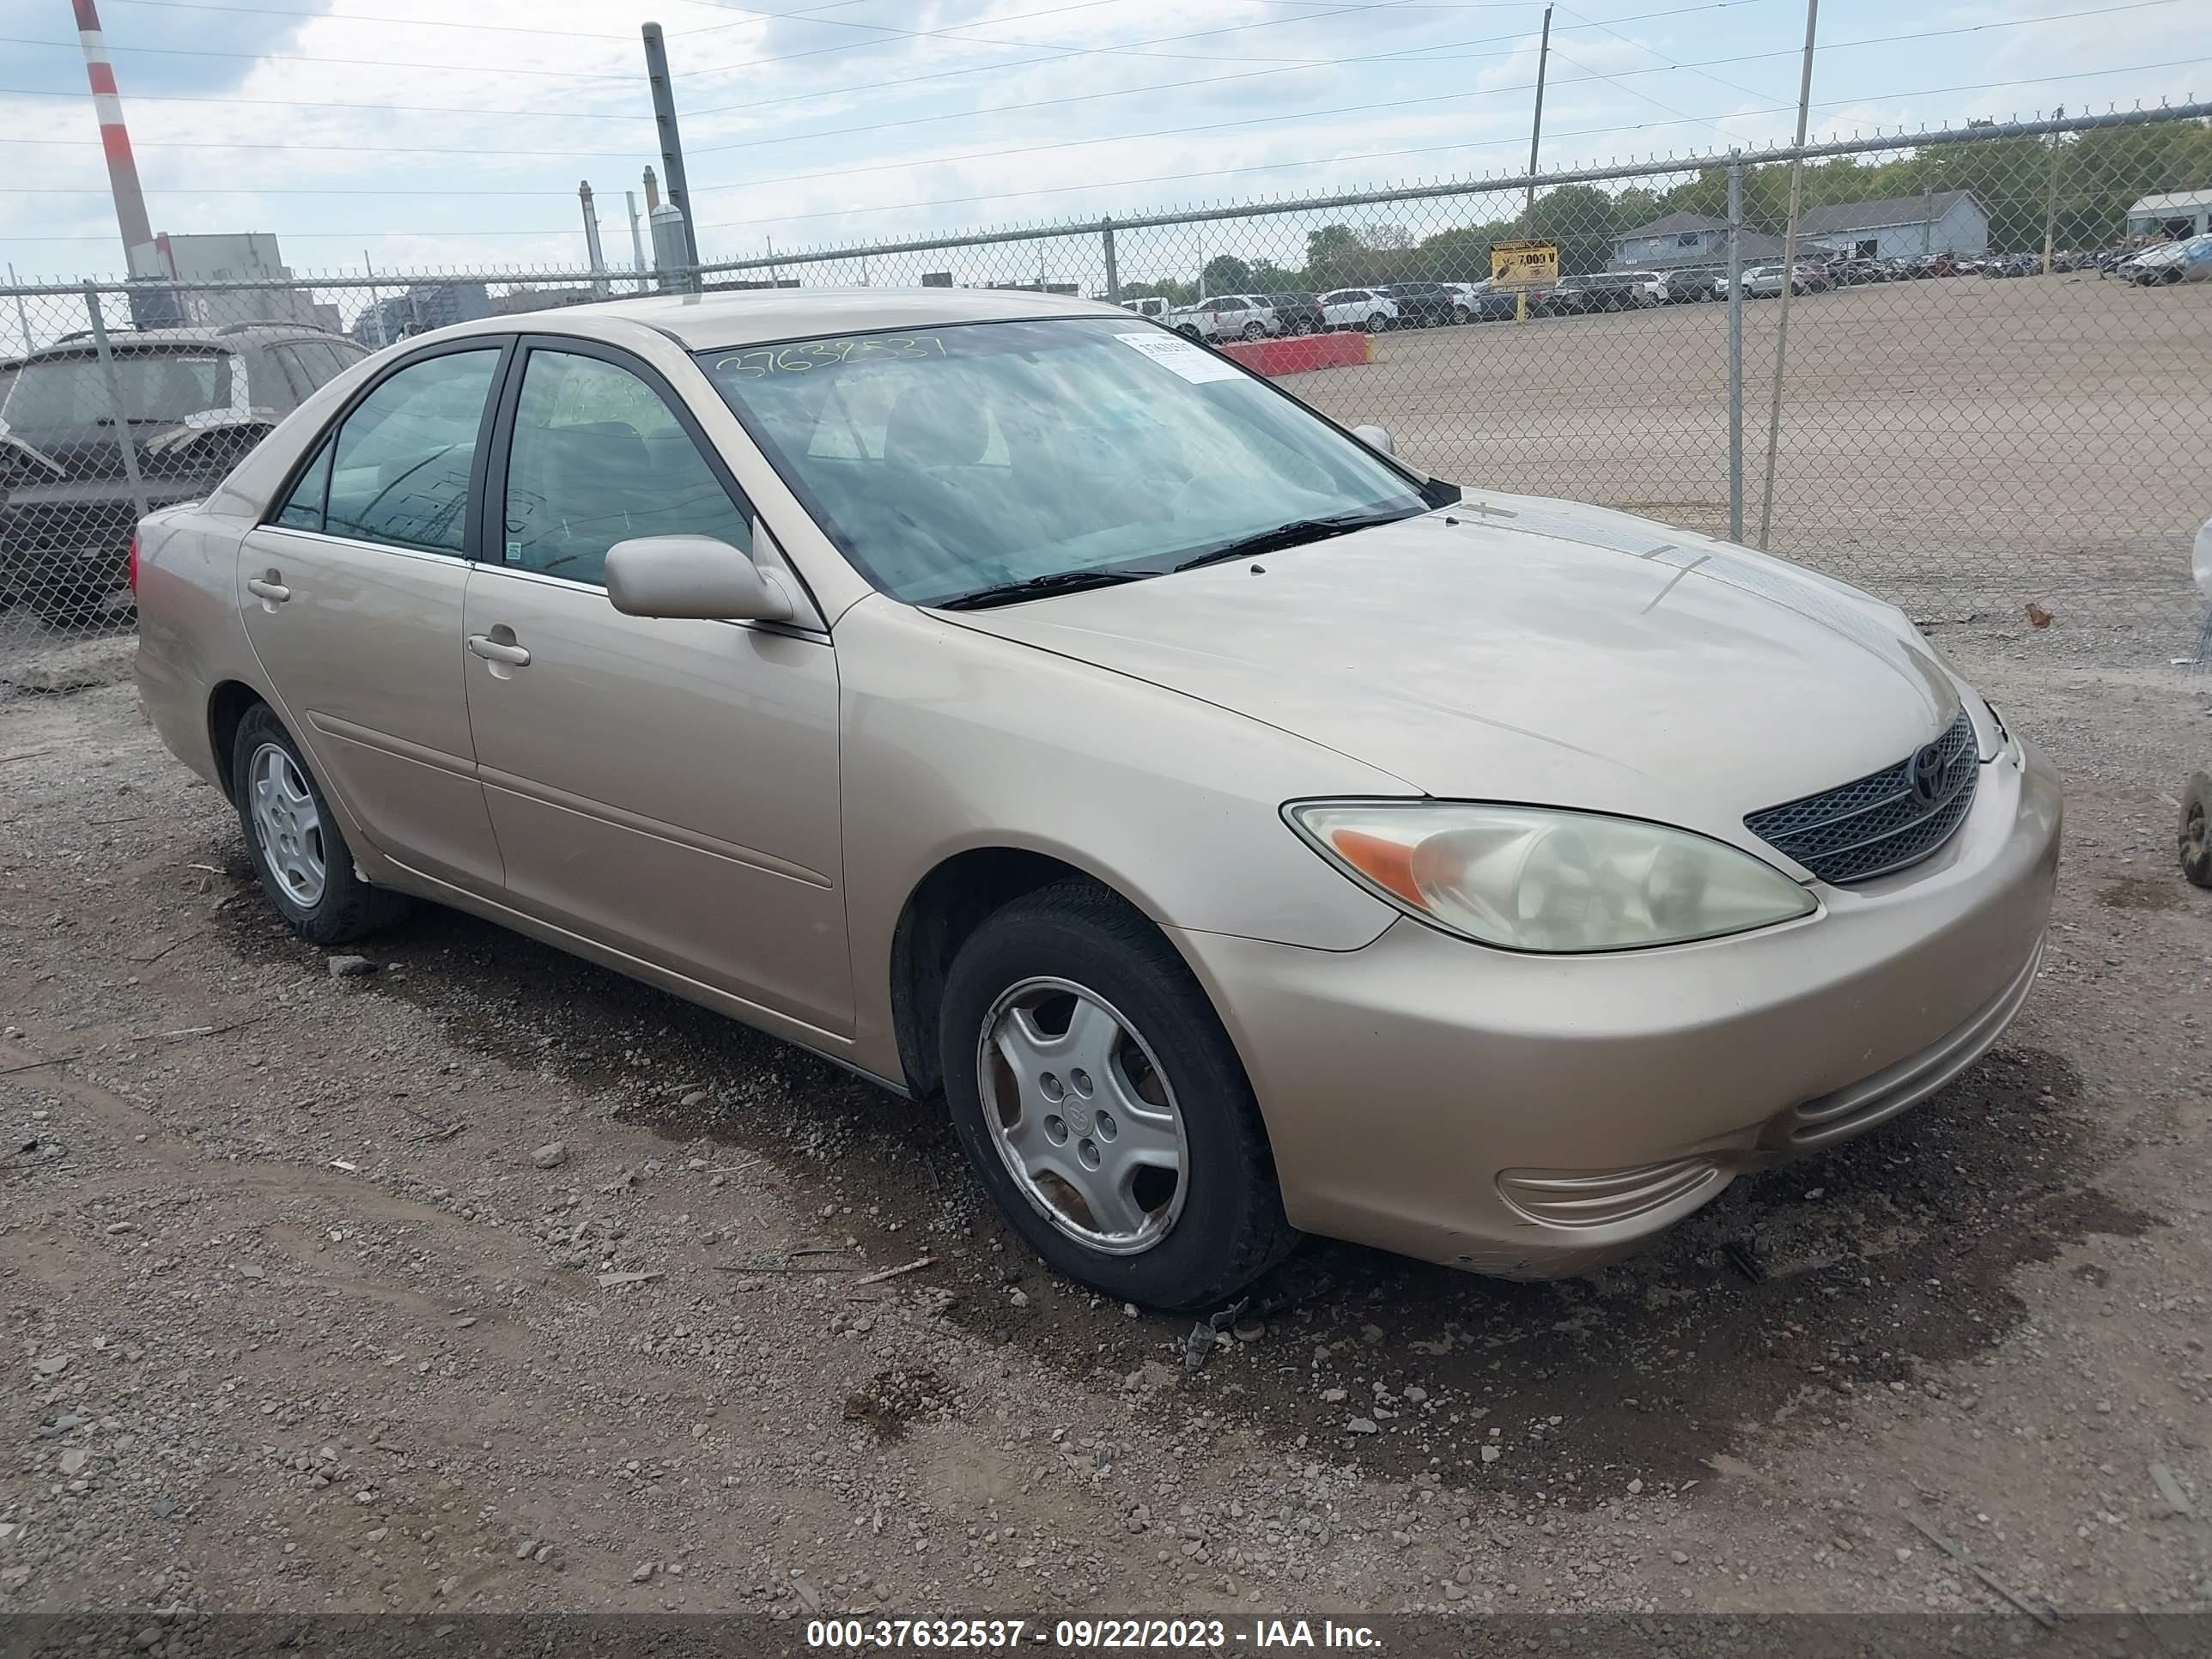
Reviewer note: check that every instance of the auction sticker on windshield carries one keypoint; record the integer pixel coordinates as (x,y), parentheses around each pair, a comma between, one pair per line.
(1194,363)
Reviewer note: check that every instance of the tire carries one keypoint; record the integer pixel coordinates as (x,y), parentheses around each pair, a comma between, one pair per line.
(1378,323)
(2195,835)
(338,907)
(1255,331)
(1461,316)
(1188,1241)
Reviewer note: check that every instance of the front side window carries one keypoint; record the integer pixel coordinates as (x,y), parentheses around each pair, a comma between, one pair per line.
(303,507)
(969,457)
(400,469)
(599,458)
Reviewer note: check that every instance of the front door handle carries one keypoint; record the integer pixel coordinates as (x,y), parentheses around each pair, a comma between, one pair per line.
(268,588)
(492,650)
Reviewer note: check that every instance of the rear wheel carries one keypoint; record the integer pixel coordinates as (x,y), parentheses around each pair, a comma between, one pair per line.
(1378,323)
(2196,835)
(298,849)
(1102,1105)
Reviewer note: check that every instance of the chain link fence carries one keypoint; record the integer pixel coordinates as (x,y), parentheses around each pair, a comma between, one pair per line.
(1969,371)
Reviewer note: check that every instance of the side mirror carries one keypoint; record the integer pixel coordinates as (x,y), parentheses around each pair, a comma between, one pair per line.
(1376,437)
(693,576)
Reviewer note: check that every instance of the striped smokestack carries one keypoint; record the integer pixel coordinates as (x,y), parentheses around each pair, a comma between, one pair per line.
(141,256)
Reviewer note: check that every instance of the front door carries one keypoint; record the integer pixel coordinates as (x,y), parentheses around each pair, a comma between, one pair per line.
(352,594)
(668,788)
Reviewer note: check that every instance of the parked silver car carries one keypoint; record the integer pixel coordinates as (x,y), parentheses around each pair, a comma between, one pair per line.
(1227,317)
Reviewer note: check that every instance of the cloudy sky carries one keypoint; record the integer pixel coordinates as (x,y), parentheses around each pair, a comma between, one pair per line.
(390,130)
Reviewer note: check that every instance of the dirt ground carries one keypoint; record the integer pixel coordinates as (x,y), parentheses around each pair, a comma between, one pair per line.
(487,1280)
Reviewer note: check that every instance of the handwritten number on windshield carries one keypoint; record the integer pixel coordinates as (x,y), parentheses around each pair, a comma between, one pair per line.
(829,354)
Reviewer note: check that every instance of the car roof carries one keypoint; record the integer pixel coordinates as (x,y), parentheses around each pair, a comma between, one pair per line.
(713,322)
(231,338)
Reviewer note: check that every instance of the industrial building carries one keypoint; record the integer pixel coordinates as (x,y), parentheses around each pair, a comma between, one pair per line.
(1903,226)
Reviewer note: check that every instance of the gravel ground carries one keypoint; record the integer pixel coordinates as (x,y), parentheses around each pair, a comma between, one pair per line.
(481,1280)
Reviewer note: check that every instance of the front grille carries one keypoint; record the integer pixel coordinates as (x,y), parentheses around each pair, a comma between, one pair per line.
(1877,824)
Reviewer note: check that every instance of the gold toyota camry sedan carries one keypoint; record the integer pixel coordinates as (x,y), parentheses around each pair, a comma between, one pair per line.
(1243,832)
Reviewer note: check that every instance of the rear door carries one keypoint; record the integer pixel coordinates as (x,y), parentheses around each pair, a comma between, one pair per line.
(667,788)
(352,594)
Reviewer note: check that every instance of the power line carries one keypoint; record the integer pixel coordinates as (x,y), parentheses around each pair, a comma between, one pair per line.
(1404,103)
(1904,140)
(326,103)
(348,62)
(1717,81)
(1057,51)
(411,22)
(1168,85)
(1590,74)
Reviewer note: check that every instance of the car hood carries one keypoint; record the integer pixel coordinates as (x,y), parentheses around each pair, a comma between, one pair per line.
(1519,649)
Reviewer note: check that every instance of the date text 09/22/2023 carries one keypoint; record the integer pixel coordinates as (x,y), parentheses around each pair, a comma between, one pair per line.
(1086,1635)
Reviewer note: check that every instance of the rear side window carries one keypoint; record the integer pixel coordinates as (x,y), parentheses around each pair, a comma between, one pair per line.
(399,469)
(156,387)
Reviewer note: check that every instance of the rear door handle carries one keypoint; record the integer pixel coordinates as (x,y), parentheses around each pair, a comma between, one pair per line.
(268,588)
(492,651)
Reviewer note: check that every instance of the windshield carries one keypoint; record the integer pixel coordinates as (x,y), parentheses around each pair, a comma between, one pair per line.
(981,455)
(155,385)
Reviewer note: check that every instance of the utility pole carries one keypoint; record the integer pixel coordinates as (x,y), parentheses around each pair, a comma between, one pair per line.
(2051,190)
(1536,126)
(592,240)
(672,142)
(23,317)
(1789,272)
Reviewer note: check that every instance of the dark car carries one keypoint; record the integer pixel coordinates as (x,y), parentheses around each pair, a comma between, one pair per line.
(1856,273)
(1694,285)
(1298,313)
(1424,305)
(1604,290)
(194,401)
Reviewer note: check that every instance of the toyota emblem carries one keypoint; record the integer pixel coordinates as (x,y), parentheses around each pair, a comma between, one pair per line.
(1924,776)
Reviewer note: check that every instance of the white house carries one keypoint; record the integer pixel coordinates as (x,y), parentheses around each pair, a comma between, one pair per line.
(1903,226)
(1687,239)
(2171,217)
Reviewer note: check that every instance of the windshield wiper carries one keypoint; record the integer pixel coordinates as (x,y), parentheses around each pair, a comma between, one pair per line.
(1037,588)
(1296,533)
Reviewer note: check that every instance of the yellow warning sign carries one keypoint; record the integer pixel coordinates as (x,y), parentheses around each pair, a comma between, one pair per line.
(1524,262)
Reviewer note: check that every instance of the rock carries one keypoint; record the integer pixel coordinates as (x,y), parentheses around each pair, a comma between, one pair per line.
(1681,1559)
(53,1365)
(696,1097)
(349,967)
(1332,1395)
(525,1549)
(551,1156)
(150,1636)
(74,1459)
(807,1593)
(1635,1486)
(643,1574)
(1491,1454)
(1248,1330)
(1360,1425)
(164,1507)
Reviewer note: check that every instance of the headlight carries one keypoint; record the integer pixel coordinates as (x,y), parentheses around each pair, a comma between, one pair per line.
(1533,878)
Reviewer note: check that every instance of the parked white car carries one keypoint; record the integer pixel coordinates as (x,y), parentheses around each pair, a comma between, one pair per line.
(1227,317)
(1360,308)
(1150,306)
(2185,261)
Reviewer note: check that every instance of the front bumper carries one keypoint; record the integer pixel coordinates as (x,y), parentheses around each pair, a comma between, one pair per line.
(1537,1116)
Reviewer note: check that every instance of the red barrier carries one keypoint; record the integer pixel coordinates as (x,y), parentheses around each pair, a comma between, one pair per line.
(1295,353)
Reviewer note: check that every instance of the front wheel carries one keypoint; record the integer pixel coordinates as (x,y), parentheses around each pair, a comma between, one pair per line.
(1378,323)
(1102,1106)
(1255,331)
(1461,313)
(298,849)
(2195,837)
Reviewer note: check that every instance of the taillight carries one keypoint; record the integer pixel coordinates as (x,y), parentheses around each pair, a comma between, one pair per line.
(133,560)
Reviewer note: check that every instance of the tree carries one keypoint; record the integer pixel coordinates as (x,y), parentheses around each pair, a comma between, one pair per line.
(1227,273)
